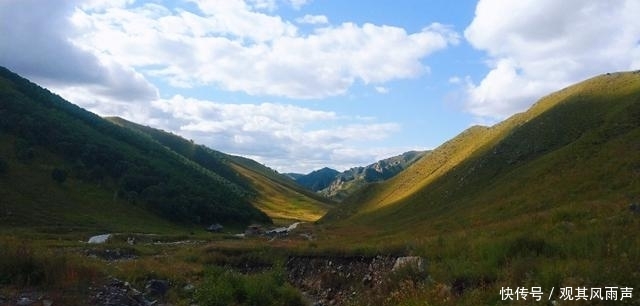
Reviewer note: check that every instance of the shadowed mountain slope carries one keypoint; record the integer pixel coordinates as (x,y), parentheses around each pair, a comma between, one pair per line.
(59,159)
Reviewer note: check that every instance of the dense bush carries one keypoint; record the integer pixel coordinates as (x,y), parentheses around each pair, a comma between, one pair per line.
(223,287)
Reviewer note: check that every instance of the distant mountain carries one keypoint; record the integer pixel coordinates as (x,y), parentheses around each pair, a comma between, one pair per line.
(348,182)
(63,166)
(338,186)
(294,176)
(318,179)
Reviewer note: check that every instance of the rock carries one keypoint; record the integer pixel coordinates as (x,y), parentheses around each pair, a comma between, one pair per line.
(189,288)
(47,302)
(99,238)
(307,236)
(119,293)
(157,288)
(412,262)
(635,208)
(111,254)
(293,226)
(24,301)
(254,230)
(215,228)
(366,280)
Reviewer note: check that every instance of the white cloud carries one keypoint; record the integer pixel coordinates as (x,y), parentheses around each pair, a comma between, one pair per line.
(455,80)
(269,5)
(382,90)
(536,47)
(313,19)
(297,4)
(33,43)
(101,55)
(236,48)
(274,134)
(100,5)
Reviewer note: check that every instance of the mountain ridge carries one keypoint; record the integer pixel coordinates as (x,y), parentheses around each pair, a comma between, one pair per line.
(554,123)
(337,186)
(255,179)
(86,166)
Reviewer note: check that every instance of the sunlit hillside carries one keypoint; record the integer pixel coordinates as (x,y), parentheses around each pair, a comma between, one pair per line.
(586,129)
(276,195)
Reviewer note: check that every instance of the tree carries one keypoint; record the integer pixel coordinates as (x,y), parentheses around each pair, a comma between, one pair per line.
(3,166)
(59,175)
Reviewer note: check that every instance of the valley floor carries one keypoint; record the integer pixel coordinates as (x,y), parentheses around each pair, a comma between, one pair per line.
(319,264)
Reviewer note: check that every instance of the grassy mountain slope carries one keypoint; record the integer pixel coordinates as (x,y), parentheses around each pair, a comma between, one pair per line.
(541,199)
(280,201)
(275,194)
(564,130)
(30,198)
(89,159)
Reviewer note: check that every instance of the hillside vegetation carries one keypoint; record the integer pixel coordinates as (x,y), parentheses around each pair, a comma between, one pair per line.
(544,198)
(588,129)
(58,160)
(276,195)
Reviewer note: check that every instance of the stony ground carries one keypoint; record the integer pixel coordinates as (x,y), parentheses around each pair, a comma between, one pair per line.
(331,280)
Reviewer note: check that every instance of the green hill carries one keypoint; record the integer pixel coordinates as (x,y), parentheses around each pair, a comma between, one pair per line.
(276,195)
(61,165)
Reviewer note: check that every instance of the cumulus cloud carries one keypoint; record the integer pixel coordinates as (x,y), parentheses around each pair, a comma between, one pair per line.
(297,4)
(275,134)
(382,90)
(101,55)
(313,19)
(230,45)
(33,42)
(536,47)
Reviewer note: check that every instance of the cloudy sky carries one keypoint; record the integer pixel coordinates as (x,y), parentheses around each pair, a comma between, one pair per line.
(303,84)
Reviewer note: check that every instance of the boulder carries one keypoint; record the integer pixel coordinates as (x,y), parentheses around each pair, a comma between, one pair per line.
(157,288)
(25,301)
(99,238)
(412,262)
(215,228)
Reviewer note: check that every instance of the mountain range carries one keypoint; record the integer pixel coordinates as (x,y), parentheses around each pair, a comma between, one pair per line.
(339,185)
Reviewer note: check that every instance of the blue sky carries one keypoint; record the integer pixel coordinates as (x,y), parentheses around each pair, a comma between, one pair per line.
(303,84)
